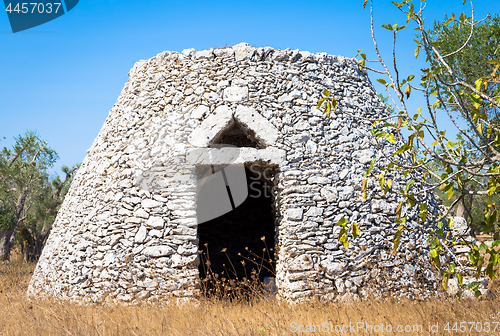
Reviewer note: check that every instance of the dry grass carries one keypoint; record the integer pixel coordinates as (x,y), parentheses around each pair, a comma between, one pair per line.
(20,316)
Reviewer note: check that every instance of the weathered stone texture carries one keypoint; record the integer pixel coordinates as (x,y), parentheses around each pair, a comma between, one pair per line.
(127,230)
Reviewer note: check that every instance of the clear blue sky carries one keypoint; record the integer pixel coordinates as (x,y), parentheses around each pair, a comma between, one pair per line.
(62,78)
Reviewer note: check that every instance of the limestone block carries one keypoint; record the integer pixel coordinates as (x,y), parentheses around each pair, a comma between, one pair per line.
(235,156)
(265,132)
(155,222)
(319,180)
(141,234)
(294,214)
(141,213)
(211,127)
(346,193)
(235,93)
(314,212)
(200,111)
(158,251)
(459,227)
(364,156)
(206,54)
(224,52)
(149,203)
(333,268)
(301,263)
(311,147)
(156,233)
(243,51)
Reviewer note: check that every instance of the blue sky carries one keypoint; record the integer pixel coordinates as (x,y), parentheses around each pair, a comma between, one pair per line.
(62,78)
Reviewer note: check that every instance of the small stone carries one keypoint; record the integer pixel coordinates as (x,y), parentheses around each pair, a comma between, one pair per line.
(294,214)
(158,251)
(141,213)
(236,93)
(141,234)
(200,111)
(149,203)
(155,222)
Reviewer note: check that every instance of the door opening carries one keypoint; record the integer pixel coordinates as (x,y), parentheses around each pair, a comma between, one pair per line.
(237,249)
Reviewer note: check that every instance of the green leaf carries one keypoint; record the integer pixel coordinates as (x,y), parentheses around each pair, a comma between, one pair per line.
(452,267)
(388,27)
(423,211)
(408,185)
(381,181)
(450,144)
(408,91)
(342,222)
(445,280)
(397,28)
(492,218)
(398,209)
(390,138)
(320,102)
(326,93)
(344,238)
(447,22)
(402,149)
(417,51)
(397,236)
(480,128)
(449,189)
(363,188)
(492,186)
(355,230)
(381,81)
(460,279)
(410,199)
(370,168)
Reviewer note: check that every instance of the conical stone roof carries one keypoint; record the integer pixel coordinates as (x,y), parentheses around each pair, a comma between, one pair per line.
(128,228)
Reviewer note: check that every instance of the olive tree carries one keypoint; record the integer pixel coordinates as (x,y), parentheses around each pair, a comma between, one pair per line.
(468,96)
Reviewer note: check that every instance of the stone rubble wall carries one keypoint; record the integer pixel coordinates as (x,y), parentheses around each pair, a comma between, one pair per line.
(127,230)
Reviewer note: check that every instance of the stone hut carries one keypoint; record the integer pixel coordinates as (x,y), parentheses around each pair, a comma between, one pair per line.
(219,154)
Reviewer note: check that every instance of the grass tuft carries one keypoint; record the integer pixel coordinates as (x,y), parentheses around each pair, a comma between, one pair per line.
(223,315)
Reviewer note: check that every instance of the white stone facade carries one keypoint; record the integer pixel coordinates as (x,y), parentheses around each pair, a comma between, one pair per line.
(127,230)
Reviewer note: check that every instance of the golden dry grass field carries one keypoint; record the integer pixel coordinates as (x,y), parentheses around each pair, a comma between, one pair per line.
(21,316)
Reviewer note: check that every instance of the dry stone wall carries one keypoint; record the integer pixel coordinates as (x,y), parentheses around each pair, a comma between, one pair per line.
(127,230)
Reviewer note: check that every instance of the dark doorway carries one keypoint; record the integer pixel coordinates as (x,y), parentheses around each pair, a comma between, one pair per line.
(238,246)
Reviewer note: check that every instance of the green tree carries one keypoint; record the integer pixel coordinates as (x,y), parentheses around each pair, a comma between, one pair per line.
(455,79)
(478,45)
(37,227)
(28,199)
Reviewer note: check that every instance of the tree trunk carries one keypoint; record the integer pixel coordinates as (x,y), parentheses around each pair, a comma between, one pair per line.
(8,236)
(40,241)
(4,244)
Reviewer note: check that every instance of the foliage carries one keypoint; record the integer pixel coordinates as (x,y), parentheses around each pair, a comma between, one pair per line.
(461,75)
(29,198)
(231,316)
(471,62)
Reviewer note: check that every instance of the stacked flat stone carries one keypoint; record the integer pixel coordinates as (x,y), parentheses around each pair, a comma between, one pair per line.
(127,230)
